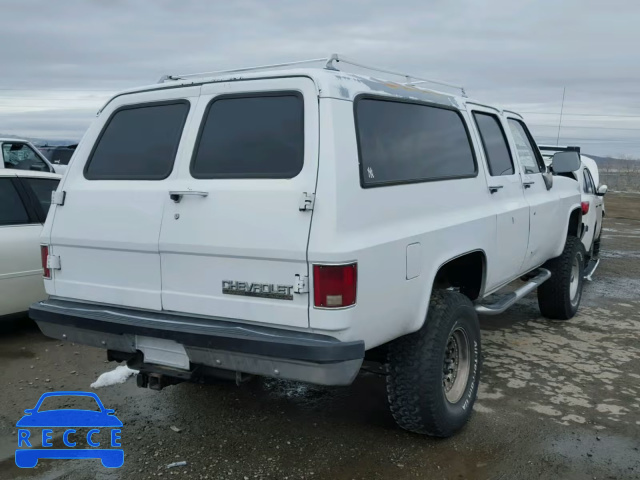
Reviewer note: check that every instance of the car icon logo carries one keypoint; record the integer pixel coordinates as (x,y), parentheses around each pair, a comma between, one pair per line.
(32,446)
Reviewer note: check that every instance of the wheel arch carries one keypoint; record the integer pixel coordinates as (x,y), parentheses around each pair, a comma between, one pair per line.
(449,274)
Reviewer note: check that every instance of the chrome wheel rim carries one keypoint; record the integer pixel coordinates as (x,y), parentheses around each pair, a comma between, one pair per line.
(456,366)
(575,280)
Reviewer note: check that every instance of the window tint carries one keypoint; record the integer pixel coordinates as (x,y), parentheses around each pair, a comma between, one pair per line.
(251,137)
(12,210)
(589,186)
(526,150)
(21,156)
(61,156)
(42,187)
(408,142)
(138,143)
(495,144)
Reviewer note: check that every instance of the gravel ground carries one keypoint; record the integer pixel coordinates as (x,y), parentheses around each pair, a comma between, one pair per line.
(557,400)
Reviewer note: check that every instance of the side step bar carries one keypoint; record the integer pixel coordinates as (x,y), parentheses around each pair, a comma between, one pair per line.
(591,268)
(508,300)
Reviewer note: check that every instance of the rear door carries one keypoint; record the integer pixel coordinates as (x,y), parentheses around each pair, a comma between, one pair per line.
(234,233)
(106,232)
(20,273)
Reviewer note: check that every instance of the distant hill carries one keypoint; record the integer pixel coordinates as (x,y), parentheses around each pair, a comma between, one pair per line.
(612,163)
(40,141)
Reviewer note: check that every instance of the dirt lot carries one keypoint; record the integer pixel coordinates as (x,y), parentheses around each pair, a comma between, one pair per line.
(557,400)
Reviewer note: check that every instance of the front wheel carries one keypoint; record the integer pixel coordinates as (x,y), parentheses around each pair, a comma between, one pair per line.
(434,373)
(559,297)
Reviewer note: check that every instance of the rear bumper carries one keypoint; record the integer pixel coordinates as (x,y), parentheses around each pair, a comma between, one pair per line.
(218,343)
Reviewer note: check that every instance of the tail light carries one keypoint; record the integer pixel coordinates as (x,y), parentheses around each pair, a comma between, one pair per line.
(44,255)
(585,207)
(334,286)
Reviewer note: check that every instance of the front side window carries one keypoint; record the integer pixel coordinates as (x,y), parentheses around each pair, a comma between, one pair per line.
(42,187)
(401,142)
(260,136)
(495,144)
(12,210)
(138,143)
(21,156)
(529,158)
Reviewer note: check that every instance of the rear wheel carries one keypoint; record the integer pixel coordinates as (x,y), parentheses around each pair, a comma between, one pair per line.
(434,373)
(559,297)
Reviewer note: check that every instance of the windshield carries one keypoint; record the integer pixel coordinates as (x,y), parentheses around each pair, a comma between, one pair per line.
(65,402)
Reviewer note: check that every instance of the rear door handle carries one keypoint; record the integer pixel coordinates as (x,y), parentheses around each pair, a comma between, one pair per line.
(527,184)
(176,195)
(495,188)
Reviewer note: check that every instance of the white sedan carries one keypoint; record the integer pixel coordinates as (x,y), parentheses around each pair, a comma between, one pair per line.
(25,197)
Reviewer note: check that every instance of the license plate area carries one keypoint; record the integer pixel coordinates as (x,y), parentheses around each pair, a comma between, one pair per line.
(161,351)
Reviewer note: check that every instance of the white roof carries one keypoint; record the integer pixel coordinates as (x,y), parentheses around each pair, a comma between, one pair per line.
(331,84)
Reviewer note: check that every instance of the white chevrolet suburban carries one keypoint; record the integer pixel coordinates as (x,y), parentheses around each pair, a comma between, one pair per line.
(294,222)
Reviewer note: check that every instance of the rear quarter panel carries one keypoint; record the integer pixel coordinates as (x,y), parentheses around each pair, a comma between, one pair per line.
(375,226)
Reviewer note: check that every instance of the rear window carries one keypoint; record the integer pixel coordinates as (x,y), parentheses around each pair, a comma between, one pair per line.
(138,143)
(402,142)
(258,136)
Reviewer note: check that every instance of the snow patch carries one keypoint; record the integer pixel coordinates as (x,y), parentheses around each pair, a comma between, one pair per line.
(118,375)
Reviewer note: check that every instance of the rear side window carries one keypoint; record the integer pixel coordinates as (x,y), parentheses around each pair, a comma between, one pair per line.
(401,142)
(12,210)
(260,136)
(138,143)
(589,186)
(42,187)
(495,144)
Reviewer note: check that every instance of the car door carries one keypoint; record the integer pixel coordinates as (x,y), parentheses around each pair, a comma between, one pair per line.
(235,229)
(544,208)
(20,270)
(589,209)
(595,207)
(507,196)
(106,232)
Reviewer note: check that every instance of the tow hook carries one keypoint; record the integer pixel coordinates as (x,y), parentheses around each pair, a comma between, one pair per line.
(155,381)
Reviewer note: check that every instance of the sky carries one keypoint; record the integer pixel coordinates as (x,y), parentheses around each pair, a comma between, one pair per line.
(61,60)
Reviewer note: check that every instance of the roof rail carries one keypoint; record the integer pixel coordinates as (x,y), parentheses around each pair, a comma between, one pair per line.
(329,64)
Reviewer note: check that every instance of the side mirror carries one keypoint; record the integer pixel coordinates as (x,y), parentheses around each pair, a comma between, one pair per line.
(602,190)
(565,162)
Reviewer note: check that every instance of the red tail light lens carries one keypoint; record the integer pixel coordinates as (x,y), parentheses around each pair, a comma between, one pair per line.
(334,286)
(44,254)
(585,207)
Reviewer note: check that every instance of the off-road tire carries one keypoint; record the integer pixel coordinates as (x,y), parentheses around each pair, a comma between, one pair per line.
(415,383)
(554,295)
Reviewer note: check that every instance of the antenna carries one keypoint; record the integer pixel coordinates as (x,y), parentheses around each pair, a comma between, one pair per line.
(564,90)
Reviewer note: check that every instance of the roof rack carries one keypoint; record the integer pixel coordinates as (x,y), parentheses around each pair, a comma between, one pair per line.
(329,64)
